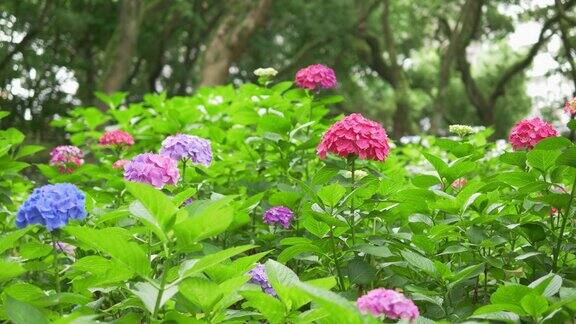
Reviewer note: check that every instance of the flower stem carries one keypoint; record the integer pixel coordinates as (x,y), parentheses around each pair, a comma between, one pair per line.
(162,282)
(336,260)
(352,162)
(565,216)
(54,238)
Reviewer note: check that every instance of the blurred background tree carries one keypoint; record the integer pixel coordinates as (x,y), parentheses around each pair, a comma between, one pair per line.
(413,65)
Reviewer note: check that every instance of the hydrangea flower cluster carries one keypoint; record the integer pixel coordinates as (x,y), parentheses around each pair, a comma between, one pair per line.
(66,248)
(116,137)
(570,107)
(52,206)
(316,76)
(259,277)
(120,164)
(459,183)
(66,158)
(461,130)
(265,72)
(356,136)
(527,133)
(154,169)
(187,147)
(278,215)
(390,303)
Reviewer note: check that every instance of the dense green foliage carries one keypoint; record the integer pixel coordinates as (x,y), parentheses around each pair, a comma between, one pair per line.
(55,55)
(490,249)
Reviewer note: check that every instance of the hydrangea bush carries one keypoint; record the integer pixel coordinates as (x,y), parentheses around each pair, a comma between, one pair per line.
(250,204)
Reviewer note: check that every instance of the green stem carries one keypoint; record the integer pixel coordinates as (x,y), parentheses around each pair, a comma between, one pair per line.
(184,171)
(162,282)
(352,220)
(54,238)
(563,228)
(336,260)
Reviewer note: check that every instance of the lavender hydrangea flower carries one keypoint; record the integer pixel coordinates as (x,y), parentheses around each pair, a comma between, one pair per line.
(259,277)
(66,248)
(154,169)
(278,215)
(390,303)
(52,206)
(187,147)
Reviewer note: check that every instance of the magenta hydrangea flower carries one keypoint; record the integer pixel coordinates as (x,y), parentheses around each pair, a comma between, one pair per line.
(316,76)
(187,147)
(527,133)
(154,169)
(116,137)
(278,215)
(570,107)
(356,136)
(389,303)
(120,164)
(66,158)
(259,277)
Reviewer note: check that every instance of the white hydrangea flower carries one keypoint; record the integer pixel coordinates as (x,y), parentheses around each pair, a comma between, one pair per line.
(265,72)
(461,130)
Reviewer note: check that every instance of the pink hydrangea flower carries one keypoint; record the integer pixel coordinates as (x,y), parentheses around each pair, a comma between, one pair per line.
(459,183)
(355,135)
(116,137)
(154,169)
(553,212)
(316,76)
(570,107)
(389,303)
(120,164)
(66,158)
(527,133)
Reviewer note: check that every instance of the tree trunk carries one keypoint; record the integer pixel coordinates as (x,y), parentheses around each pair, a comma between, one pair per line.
(121,47)
(402,123)
(231,38)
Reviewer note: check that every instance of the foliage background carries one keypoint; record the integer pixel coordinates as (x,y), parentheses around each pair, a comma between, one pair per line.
(457,66)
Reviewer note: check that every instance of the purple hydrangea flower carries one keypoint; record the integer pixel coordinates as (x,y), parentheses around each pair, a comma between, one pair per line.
(52,206)
(187,147)
(258,276)
(278,215)
(390,303)
(187,202)
(66,248)
(154,169)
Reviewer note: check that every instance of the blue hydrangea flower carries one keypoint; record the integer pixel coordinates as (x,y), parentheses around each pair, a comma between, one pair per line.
(258,276)
(187,147)
(52,206)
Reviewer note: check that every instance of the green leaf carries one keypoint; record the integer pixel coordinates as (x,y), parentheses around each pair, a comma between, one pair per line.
(148,295)
(331,195)
(439,165)
(339,308)
(22,313)
(568,157)
(201,291)
(28,150)
(271,308)
(294,250)
(510,294)
(542,159)
(9,270)
(155,203)
(114,243)
(206,219)
(361,272)
(420,262)
(553,143)
(7,241)
(196,266)
(548,285)
(514,158)
(466,273)
(534,304)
